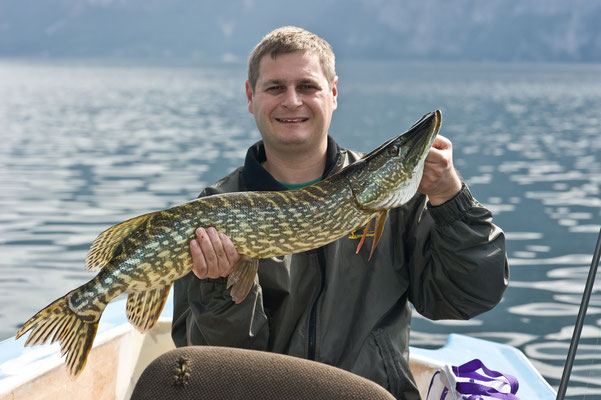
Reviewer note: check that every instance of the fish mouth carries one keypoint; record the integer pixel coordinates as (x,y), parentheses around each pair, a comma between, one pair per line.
(418,139)
(422,134)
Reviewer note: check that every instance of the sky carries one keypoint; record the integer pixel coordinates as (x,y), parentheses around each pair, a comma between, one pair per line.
(458,30)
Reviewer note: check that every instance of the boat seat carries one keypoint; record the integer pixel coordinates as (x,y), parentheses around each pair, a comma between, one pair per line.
(206,372)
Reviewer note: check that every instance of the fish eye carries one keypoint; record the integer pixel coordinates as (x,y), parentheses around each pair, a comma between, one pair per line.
(393,151)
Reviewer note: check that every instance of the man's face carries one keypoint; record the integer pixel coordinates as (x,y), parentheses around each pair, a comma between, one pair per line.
(292,102)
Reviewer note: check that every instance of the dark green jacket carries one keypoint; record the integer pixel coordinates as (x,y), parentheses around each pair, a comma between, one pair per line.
(335,306)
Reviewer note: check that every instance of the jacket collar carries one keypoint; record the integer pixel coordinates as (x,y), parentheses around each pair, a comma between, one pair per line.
(256,178)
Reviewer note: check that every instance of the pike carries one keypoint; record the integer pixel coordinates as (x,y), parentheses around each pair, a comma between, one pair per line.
(144,255)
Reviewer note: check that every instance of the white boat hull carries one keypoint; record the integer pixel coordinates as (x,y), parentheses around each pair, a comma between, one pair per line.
(120,354)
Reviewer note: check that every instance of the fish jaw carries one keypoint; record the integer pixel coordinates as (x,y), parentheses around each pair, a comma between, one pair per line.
(389,176)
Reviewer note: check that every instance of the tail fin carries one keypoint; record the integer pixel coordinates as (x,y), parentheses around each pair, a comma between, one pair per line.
(74,334)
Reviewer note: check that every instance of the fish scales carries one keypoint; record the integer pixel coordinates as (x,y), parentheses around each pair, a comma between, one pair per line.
(144,255)
(306,226)
(321,215)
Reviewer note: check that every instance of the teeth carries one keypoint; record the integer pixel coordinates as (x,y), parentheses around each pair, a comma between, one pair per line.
(291,120)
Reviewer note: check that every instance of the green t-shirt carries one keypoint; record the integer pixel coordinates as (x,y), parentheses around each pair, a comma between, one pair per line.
(294,186)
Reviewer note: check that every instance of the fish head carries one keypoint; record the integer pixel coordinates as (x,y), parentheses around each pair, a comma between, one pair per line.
(389,176)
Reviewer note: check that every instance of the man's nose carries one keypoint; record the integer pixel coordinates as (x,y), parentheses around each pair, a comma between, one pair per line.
(291,98)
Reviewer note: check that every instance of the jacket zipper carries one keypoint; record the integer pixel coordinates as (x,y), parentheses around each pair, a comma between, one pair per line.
(313,317)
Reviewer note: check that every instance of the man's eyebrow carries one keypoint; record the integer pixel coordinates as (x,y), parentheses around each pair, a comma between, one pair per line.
(308,80)
(273,82)
(282,82)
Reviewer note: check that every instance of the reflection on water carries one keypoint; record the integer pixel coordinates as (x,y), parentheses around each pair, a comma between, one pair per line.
(86,146)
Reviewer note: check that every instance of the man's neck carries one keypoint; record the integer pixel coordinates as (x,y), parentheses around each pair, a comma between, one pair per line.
(296,168)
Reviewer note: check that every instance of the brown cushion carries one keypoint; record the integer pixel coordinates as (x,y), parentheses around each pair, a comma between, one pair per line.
(204,372)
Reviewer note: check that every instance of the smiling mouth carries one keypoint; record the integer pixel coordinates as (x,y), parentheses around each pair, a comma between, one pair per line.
(291,120)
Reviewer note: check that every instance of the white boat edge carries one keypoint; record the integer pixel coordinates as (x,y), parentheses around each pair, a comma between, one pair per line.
(120,354)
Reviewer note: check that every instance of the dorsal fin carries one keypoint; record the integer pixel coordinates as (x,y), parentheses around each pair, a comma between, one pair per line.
(104,246)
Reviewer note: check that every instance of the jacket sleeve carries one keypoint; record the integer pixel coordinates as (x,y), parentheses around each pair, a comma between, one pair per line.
(456,256)
(204,314)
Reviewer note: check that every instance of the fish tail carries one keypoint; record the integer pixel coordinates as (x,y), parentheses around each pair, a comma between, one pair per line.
(74,333)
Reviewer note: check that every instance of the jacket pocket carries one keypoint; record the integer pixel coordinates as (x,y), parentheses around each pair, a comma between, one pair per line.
(391,362)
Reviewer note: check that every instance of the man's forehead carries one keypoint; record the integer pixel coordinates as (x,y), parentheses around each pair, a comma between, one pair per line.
(299,66)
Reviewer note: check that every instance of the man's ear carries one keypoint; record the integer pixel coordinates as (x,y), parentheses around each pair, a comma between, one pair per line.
(249,97)
(334,90)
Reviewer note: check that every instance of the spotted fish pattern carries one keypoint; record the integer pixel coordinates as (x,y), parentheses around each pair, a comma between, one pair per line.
(144,255)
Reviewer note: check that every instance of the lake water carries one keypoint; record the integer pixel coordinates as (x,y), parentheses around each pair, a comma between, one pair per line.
(87,145)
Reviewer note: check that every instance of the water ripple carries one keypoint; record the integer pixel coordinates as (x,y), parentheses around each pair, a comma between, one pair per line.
(83,147)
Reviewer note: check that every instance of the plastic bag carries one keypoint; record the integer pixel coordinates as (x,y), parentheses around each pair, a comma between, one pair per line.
(466,383)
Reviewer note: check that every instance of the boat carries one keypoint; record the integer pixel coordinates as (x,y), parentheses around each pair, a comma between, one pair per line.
(120,354)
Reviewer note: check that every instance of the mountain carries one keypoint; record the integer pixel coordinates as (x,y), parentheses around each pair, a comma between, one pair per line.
(481,30)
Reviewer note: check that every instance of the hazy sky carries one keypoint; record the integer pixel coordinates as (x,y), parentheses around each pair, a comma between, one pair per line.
(500,30)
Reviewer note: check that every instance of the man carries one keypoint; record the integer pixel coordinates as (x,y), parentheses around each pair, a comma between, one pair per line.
(440,251)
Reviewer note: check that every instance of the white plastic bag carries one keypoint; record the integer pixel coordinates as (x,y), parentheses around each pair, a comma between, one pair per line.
(466,382)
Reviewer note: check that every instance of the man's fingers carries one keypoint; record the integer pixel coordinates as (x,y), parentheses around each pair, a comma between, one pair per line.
(199,265)
(213,254)
(440,180)
(206,246)
(441,143)
(440,154)
(434,156)
(221,261)
(230,251)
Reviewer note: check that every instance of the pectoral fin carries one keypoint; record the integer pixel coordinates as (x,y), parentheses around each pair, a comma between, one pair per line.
(144,308)
(380,222)
(363,236)
(242,278)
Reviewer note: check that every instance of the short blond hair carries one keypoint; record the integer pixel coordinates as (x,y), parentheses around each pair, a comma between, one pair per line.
(290,39)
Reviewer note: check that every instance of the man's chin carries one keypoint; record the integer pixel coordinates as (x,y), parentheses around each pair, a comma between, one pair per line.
(294,138)
(295,143)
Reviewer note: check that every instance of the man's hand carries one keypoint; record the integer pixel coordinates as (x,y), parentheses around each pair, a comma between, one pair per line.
(213,254)
(440,181)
